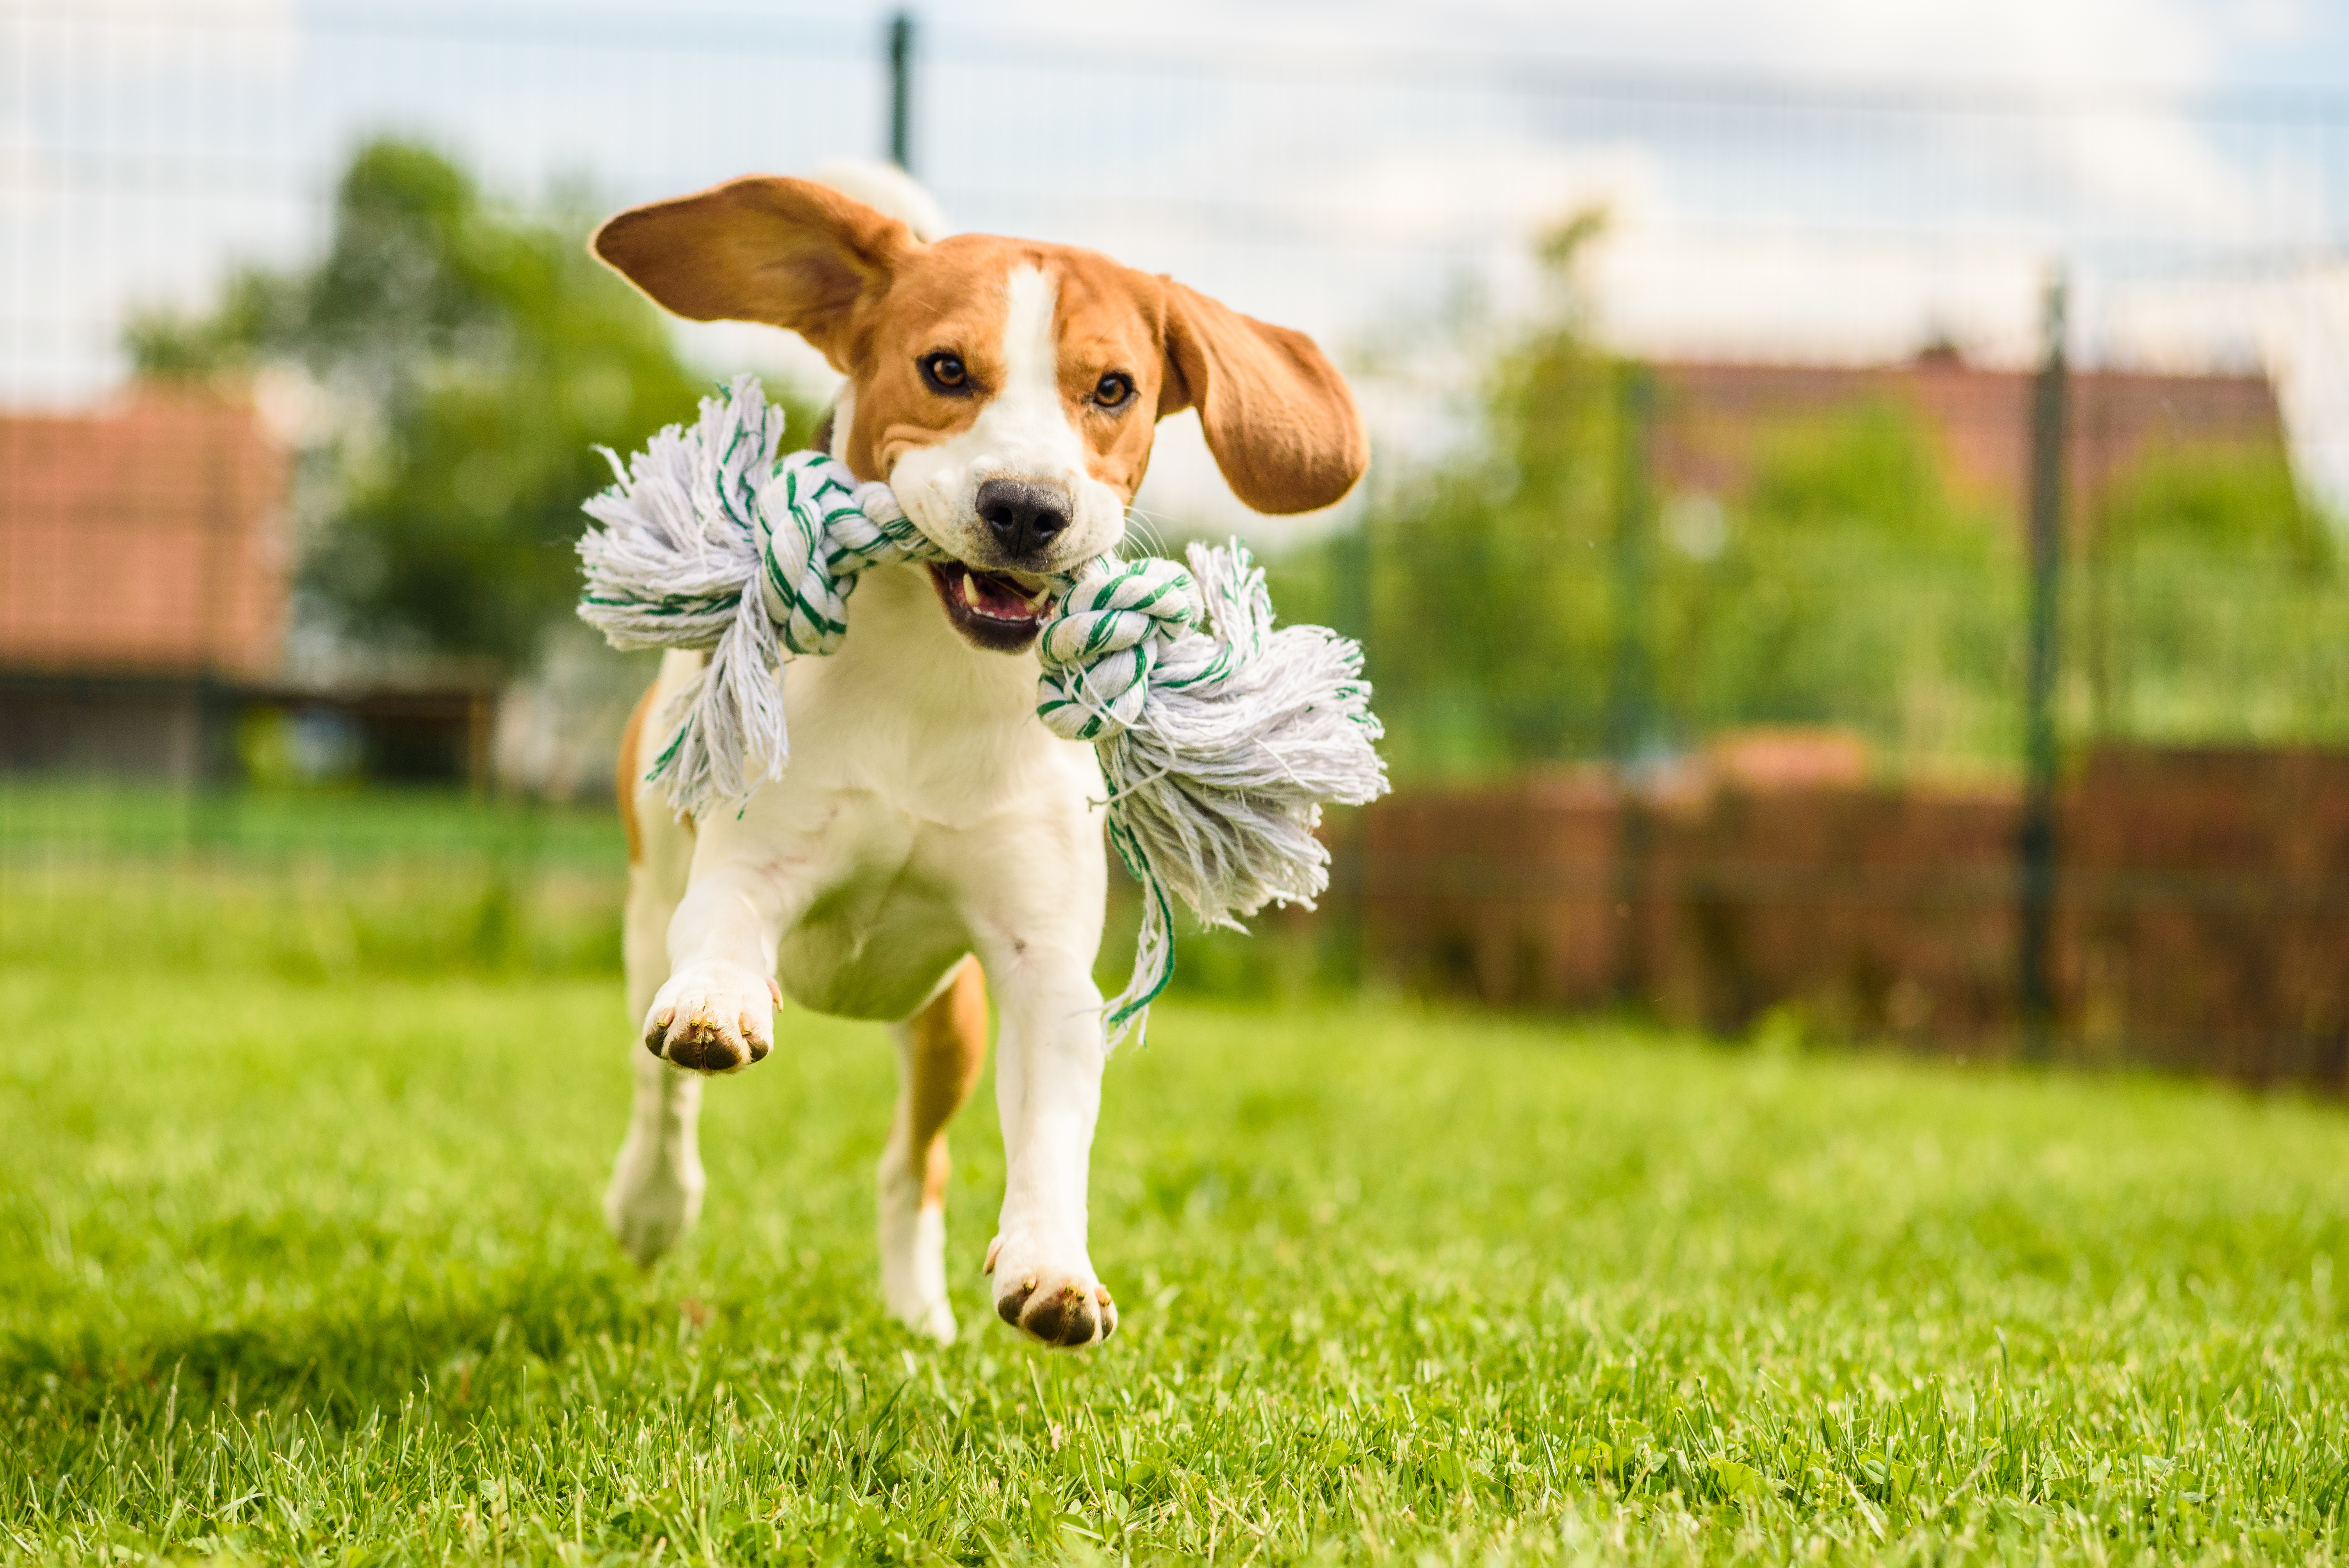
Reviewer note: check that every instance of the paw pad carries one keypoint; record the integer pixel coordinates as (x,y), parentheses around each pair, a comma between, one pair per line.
(1062,1314)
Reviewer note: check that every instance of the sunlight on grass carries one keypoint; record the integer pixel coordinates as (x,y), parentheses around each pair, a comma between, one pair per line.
(313,1271)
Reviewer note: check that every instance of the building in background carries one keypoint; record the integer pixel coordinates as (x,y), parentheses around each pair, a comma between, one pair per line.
(145,569)
(1715,419)
(143,575)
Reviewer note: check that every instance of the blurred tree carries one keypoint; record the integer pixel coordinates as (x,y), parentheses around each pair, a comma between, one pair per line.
(2232,499)
(2217,603)
(1480,586)
(467,360)
(1843,584)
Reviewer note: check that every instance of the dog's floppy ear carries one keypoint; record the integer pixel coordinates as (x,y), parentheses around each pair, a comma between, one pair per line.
(1277,416)
(789,252)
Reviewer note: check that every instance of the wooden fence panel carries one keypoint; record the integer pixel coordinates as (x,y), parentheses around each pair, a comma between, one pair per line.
(2203,907)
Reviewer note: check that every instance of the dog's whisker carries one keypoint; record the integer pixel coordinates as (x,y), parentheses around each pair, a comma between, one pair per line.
(1145,530)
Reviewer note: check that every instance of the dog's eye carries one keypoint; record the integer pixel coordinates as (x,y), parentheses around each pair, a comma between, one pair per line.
(944,372)
(1112,389)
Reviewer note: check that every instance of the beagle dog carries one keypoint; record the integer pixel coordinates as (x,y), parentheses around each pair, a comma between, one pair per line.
(931,839)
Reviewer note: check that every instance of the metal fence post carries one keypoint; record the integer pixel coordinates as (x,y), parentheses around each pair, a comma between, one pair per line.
(2035,847)
(901,85)
(1631,687)
(1630,693)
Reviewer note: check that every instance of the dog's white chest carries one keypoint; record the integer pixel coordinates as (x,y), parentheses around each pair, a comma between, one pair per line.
(927,726)
(920,786)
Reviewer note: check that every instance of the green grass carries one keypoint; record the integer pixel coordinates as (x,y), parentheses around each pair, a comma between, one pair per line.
(305,884)
(309,1099)
(43,820)
(304,1269)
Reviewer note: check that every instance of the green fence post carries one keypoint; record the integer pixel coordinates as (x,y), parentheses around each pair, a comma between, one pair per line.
(2035,847)
(901,89)
(1631,680)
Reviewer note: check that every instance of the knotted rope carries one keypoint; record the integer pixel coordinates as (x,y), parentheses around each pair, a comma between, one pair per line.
(1219,736)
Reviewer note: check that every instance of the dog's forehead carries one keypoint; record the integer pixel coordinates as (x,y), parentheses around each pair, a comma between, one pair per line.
(963,283)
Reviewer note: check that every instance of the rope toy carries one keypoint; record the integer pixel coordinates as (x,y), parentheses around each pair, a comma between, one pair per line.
(1220,738)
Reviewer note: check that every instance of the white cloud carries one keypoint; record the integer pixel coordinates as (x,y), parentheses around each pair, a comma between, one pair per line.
(98,214)
(1482,185)
(2163,41)
(2270,21)
(1808,297)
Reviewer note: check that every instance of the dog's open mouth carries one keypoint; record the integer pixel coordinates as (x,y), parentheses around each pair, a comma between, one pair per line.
(999,611)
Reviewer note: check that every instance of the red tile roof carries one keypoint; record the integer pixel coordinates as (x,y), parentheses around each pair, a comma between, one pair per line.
(147,538)
(1715,416)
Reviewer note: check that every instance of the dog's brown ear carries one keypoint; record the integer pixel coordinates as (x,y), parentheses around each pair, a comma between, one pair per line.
(1278,415)
(789,252)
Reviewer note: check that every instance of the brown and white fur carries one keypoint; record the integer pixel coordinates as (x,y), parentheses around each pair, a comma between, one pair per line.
(930,839)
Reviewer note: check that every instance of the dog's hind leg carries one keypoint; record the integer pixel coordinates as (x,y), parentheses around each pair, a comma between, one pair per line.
(940,1051)
(655,1194)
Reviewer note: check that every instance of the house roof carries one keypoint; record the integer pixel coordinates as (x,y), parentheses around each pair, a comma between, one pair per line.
(148,537)
(1715,419)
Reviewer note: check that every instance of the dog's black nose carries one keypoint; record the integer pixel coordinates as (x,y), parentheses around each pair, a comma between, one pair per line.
(1024,516)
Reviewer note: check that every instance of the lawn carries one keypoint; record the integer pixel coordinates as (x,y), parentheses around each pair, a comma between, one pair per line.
(303,1261)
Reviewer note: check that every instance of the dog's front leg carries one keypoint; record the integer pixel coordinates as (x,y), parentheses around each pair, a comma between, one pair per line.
(1048,1077)
(654,1194)
(716,1011)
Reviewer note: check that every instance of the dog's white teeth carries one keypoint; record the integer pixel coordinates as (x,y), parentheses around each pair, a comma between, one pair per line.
(970,590)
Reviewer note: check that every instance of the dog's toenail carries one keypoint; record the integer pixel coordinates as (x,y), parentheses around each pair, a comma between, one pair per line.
(774,991)
(1101,1293)
(1028,1284)
(993,1248)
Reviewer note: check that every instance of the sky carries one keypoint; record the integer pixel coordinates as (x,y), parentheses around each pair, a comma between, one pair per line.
(1820,179)
(2191,43)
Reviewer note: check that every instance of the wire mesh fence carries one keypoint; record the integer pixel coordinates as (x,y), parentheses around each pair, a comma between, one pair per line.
(1705,406)
(149,145)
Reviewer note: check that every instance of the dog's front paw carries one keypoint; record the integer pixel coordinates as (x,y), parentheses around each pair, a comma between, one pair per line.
(714,1017)
(1061,1305)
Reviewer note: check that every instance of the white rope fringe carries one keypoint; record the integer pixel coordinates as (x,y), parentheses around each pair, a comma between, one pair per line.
(1220,737)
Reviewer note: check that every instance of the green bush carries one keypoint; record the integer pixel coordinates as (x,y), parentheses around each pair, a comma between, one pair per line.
(2213,607)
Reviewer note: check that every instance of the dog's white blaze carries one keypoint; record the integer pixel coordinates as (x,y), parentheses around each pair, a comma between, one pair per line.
(1024,432)
(1029,404)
